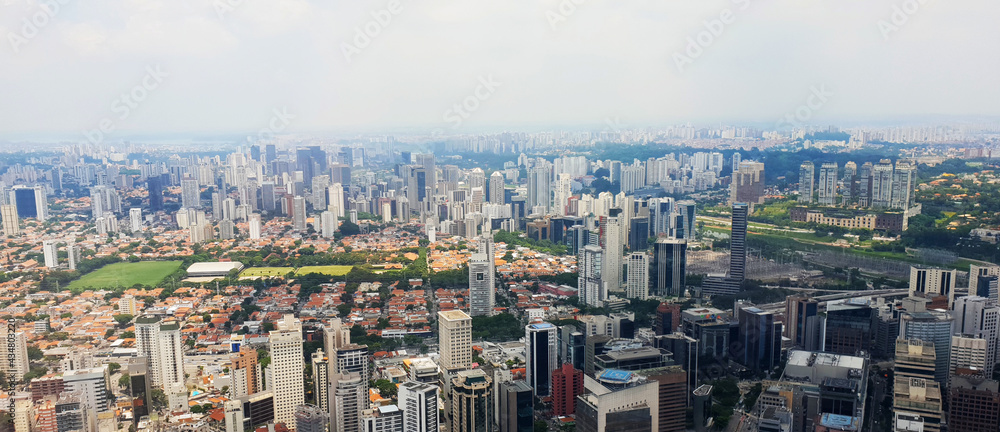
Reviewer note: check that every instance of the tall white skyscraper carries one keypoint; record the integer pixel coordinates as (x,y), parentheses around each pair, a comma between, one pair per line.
(979,317)
(254,226)
(539,189)
(287,369)
(612,270)
(807,177)
(135,218)
(540,357)
(72,255)
(455,339)
(299,213)
(482,279)
(15,362)
(11,222)
(564,190)
(336,197)
(419,402)
(321,379)
(590,282)
(160,342)
(637,278)
(828,183)
(190,193)
(41,203)
(50,250)
(349,398)
(496,195)
(328,223)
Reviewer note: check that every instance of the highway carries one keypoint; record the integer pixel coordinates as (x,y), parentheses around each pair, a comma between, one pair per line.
(840,296)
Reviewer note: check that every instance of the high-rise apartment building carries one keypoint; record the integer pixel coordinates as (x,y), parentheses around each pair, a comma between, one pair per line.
(245,373)
(637,276)
(15,355)
(299,213)
(349,398)
(50,251)
(190,193)
(321,379)
(540,356)
(539,189)
(160,342)
(419,402)
(496,195)
(482,279)
(590,281)
(807,177)
(748,183)
(310,418)
(455,339)
(135,219)
(287,368)
(11,221)
(611,274)
(827,188)
(567,384)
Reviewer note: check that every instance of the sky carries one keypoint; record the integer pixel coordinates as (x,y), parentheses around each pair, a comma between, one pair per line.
(460,66)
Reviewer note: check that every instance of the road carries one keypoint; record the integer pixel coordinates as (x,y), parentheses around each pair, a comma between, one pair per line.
(850,294)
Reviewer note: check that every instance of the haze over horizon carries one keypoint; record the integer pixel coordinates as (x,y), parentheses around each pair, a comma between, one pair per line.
(226,66)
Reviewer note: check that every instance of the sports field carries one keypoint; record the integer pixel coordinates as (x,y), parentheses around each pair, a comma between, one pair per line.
(149,273)
(332,270)
(254,272)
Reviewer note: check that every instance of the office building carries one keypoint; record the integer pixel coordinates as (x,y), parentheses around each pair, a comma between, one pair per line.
(482,279)
(807,177)
(738,242)
(759,346)
(748,183)
(140,388)
(673,396)
(287,368)
(827,188)
(419,402)
(299,213)
(915,359)
(496,195)
(455,339)
(979,317)
(974,404)
(802,322)
(540,357)
(637,276)
(668,274)
(310,418)
(621,402)
(848,327)
(668,318)
(386,418)
(932,282)
(917,398)
(934,327)
(91,385)
(567,384)
(539,189)
(968,353)
(572,343)
(154,188)
(516,407)
(590,284)
(983,281)
(827,385)
(471,402)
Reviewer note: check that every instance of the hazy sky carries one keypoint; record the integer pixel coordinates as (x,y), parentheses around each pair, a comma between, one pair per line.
(230,64)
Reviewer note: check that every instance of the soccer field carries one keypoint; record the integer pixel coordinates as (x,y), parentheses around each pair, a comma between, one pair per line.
(149,273)
(255,272)
(332,270)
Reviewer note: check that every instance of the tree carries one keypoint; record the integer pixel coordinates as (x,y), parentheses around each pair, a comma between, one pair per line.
(113,367)
(386,388)
(125,382)
(123,319)
(158,398)
(347,228)
(541,425)
(34,353)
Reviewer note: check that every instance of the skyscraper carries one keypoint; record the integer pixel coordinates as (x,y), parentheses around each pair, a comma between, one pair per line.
(932,282)
(287,368)
(759,346)
(50,251)
(135,218)
(563,191)
(828,183)
(471,402)
(299,213)
(567,384)
(160,343)
(244,373)
(496,195)
(738,242)
(154,188)
(310,418)
(977,272)
(540,357)
(848,327)
(590,282)
(807,175)
(802,322)
(748,183)
(516,407)
(979,317)
(611,274)
(482,278)
(349,399)
(419,402)
(637,279)
(539,189)
(15,355)
(455,339)
(934,327)
(190,193)
(669,267)
(11,221)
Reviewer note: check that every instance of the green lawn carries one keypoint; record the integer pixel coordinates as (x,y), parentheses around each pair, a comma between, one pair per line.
(331,270)
(266,271)
(149,273)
